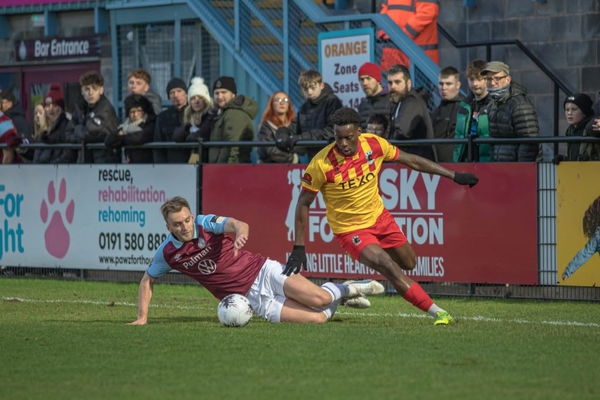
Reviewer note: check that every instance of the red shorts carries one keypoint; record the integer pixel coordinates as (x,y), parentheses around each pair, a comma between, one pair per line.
(385,232)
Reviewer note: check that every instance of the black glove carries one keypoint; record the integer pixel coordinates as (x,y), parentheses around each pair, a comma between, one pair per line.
(464,178)
(296,261)
(284,140)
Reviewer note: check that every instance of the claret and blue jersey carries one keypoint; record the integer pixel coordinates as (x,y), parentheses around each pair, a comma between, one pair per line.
(208,258)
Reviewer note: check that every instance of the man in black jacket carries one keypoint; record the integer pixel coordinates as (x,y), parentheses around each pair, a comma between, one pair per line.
(376,100)
(511,114)
(409,116)
(170,119)
(444,116)
(313,117)
(93,121)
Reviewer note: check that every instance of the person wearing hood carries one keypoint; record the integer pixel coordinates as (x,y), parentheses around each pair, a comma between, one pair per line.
(313,117)
(409,116)
(377,99)
(198,118)
(233,122)
(511,115)
(136,129)
(11,107)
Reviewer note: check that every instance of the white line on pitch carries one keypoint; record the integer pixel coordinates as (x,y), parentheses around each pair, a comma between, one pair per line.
(357,314)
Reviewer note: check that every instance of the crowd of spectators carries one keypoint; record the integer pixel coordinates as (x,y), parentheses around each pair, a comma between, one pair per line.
(495,106)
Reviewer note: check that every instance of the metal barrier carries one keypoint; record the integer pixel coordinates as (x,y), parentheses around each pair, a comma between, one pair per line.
(471,143)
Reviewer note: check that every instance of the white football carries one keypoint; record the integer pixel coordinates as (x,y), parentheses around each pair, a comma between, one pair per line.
(234,310)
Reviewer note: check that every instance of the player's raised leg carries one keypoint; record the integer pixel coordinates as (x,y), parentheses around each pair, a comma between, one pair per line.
(389,263)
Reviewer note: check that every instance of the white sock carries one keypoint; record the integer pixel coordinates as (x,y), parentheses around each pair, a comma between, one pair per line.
(434,309)
(337,291)
(330,309)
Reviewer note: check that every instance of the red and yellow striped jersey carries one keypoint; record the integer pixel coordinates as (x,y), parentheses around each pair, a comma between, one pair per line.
(350,184)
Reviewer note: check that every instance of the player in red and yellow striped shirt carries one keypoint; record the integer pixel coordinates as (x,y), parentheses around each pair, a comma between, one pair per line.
(346,173)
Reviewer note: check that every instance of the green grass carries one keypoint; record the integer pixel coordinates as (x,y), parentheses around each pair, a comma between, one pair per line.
(69,340)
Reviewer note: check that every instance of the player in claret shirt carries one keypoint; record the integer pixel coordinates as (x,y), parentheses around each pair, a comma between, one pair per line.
(199,248)
(346,172)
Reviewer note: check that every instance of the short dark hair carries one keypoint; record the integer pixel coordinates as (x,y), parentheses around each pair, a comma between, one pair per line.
(449,71)
(399,69)
(309,76)
(175,204)
(91,78)
(474,69)
(8,95)
(345,116)
(380,119)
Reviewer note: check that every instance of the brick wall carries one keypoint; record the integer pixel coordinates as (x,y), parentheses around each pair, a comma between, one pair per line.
(564,34)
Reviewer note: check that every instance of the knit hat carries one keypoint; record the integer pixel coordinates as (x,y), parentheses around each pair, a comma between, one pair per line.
(138,100)
(225,82)
(495,67)
(371,70)
(55,95)
(199,88)
(176,83)
(581,100)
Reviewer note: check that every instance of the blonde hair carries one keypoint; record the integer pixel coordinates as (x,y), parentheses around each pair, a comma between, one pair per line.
(42,126)
(175,204)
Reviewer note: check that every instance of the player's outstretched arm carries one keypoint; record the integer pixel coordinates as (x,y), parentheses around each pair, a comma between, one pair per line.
(240,229)
(297,259)
(144,296)
(422,164)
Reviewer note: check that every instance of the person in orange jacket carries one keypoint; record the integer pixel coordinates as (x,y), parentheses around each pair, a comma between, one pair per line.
(418,19)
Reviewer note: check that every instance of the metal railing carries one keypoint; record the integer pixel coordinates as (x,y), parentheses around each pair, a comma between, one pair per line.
(471,143)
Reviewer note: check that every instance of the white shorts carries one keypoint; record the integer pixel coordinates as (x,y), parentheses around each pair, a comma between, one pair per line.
(266,294)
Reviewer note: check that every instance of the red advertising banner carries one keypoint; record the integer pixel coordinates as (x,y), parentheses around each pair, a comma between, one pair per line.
(484,234)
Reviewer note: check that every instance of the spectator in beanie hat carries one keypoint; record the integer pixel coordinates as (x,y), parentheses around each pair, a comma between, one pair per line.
(578,113)
(169,120)
(57,121)
(233,122)
(376,100)
(197,118)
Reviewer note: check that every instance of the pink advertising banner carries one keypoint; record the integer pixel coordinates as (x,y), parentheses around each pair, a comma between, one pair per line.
(484,234)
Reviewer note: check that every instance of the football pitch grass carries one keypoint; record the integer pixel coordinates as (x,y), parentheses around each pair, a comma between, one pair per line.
(69,340)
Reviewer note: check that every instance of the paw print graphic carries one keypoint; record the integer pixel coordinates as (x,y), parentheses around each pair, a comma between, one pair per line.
(57,236)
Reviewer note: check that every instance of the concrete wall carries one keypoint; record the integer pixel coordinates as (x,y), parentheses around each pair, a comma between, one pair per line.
(565,34)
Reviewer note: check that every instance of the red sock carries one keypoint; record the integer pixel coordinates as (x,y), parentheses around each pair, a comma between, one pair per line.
(417,297)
